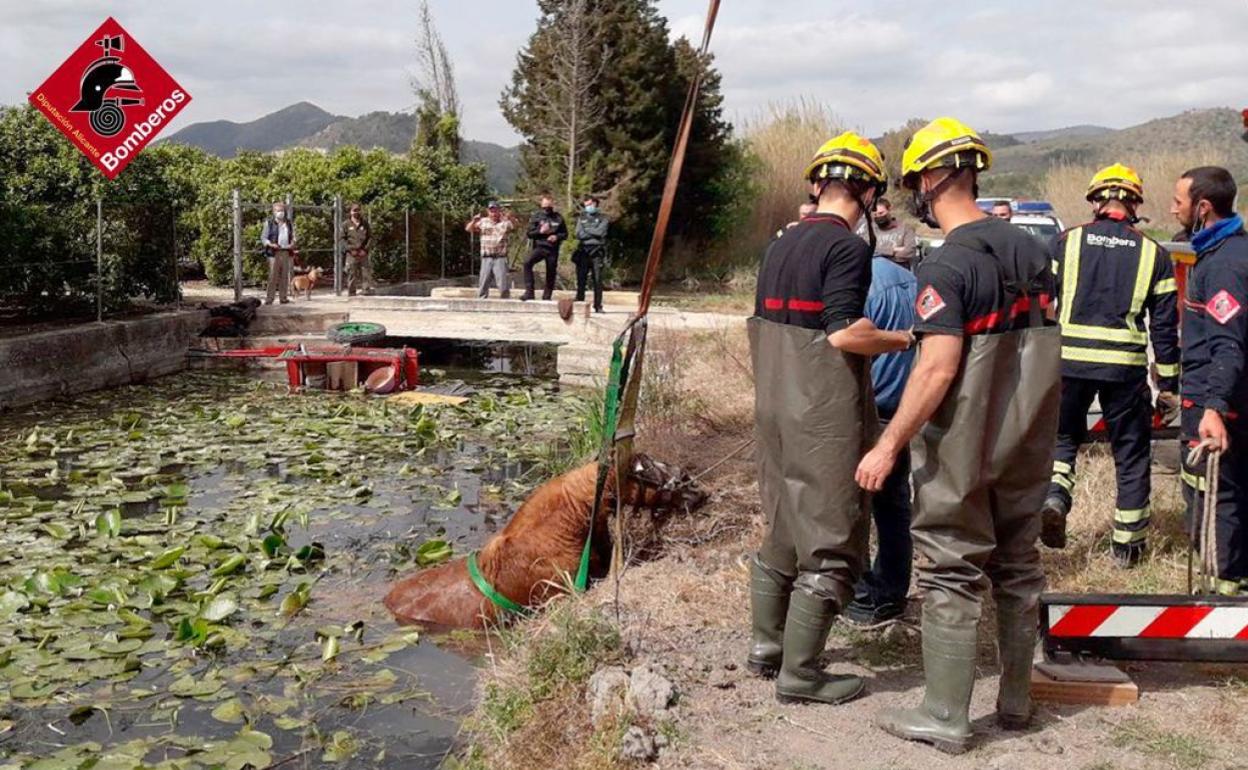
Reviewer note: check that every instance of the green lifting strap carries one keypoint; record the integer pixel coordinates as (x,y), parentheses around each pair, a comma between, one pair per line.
(610,419)
(487,590)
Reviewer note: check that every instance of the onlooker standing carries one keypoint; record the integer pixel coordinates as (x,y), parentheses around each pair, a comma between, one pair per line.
(356,237)
(1003,210)
(546,230)
(880,595)
(893,238)
(278,239)
(590,255)
(495,231)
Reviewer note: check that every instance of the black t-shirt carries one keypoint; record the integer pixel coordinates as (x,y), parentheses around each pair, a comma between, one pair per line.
(983,280)
(815,275)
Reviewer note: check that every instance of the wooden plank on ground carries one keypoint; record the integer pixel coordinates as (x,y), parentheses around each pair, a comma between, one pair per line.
(1088,693)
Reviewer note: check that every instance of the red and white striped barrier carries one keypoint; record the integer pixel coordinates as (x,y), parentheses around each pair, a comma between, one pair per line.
(1145,627)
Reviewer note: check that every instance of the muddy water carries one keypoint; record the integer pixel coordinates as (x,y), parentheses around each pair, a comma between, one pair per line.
(112,651)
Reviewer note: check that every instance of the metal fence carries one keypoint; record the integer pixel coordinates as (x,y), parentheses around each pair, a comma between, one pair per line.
(405,245)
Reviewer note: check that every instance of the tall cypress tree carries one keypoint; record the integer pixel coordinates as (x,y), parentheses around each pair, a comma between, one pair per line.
(640,91)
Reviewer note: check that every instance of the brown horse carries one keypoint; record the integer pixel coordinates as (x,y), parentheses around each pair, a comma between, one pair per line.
(529,560)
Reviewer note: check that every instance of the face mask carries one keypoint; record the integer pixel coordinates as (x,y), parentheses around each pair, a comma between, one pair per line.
(279,215)
(883,220)
(549,209)
(1197,223)
(921,208)
(591,209)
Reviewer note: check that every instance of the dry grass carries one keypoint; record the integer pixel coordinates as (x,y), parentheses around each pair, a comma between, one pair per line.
(1066,186)
(780,143)
(1085,564)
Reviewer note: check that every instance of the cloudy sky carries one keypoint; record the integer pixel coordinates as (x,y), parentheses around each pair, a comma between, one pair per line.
(1003,66)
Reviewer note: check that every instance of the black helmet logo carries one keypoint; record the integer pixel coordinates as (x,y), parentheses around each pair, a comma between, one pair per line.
(105,85)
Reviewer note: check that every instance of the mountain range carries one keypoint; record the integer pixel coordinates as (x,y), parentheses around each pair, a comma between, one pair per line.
(1021,158)
(306,125)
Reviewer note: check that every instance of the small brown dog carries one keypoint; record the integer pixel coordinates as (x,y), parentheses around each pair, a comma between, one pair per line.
(306,282)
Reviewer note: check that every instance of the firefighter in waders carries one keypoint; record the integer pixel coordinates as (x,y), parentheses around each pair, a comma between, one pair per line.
(810,345)
(981,406)
(1215,375)
(1109,275)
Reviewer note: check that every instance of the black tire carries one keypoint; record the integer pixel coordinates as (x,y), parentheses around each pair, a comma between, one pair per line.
(356,333)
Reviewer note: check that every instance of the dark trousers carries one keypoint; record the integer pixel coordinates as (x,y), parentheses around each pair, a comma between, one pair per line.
(589,263)
(1128,417)
(537,255)
(1231,527)
(888,580)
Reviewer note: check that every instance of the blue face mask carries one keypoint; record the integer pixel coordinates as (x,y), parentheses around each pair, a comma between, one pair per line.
(591,209)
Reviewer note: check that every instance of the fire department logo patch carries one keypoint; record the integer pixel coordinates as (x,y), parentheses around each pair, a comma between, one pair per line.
(929,303)
(110,98)
(1223,307)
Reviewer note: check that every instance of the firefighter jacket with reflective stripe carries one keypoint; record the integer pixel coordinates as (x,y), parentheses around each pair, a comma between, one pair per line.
(1109,276)
(1215,331)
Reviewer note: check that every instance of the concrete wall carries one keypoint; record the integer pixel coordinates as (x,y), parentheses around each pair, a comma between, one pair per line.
(60,362)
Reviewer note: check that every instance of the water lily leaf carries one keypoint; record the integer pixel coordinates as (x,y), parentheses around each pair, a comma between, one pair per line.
(190,687)
(219,608)
(109,523)
(291,723)
(231,712)
(210,542)
(360,492)
(31,691)
(11,603)
(230,565)
(329,648)
(272,543)
(118,648)
(310,553)
(236,421)
(167,558)
(433,552)
(296,600)
(340,747)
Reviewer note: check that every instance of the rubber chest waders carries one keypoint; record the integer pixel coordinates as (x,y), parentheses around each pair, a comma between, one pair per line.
(981,471)
(814,417)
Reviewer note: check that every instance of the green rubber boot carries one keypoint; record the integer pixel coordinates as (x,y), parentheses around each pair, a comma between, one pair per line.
(769,603)
(1017,629)
(801,678)
(943,719)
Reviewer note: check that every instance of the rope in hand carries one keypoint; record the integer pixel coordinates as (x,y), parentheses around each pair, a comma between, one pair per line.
(1204,528)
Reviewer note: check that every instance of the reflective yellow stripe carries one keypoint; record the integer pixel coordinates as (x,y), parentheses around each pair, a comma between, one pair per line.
(1125,336)
(1123,537)
(1094,356)
(1166,286)
(1070,274)
(1143,277)
(1132,516)
(1053,265)
(1167,370)
(1063,482)
(1061,467)
(1192,480)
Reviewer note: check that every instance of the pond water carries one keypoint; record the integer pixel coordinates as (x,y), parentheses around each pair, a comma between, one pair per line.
(191,571)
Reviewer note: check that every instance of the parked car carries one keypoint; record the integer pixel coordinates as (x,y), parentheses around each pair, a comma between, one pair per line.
(1046,227)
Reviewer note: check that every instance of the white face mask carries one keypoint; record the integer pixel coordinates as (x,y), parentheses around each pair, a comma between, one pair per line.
(279,215)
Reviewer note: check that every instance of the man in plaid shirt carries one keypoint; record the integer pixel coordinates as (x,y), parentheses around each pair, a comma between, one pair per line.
(495,231)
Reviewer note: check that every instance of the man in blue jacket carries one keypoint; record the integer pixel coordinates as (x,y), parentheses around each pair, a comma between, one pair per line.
(880,595)
(1214,386)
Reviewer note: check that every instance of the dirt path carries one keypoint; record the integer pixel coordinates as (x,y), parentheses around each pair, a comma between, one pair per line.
(689,613)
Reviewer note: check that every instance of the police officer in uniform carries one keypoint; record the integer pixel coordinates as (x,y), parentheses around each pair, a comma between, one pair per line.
(1109,275)
(1215,376)
(982,407)
(810,344)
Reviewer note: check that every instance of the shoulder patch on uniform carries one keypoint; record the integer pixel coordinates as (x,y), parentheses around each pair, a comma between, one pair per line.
(929,303)
(1223,307)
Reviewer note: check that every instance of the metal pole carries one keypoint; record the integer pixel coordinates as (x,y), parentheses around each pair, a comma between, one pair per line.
(99,259)
(407,245)
(174,287)
(444,243)
(238,246)
(338,244)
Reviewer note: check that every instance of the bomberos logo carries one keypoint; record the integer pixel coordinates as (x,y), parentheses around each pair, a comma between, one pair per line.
(110,98)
